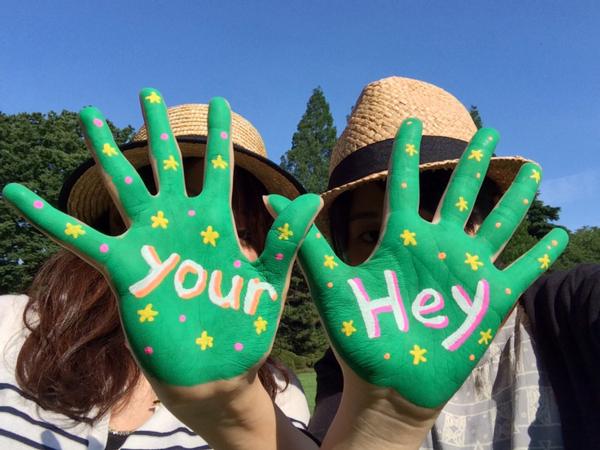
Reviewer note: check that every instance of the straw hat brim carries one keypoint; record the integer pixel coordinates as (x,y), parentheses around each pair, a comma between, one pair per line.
(85,196)
(502,171)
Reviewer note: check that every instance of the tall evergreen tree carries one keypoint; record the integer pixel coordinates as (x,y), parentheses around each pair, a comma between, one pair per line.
(39,151)
(476,116)
(308,159)
(300,330)
(540,217)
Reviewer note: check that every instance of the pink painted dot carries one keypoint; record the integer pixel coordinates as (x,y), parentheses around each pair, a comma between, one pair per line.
(38,204)
(148,350)
(238,346)
(128,180)
(182,318)
(104,248)
(98,122)
(237,263)
(279,256)
(191,213)
(224,134)
(164,136)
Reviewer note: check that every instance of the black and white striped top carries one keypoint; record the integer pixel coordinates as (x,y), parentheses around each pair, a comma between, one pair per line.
(24,425)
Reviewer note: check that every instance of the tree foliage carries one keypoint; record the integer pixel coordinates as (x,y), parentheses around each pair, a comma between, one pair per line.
(308,159)
(40,151)
(584,247)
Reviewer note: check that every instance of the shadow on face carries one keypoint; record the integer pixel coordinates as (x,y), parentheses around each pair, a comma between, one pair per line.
(252,219)
(356,216)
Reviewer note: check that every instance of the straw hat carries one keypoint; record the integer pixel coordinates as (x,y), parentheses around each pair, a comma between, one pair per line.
(362,152)
(84,195)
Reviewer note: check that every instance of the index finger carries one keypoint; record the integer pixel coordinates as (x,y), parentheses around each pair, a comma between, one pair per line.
(218,161)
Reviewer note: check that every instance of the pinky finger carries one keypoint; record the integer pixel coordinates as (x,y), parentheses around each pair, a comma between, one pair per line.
(525,270)
(66,230)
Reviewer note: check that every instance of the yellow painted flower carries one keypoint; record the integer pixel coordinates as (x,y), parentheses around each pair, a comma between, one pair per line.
(153,97)
(545,261)
(284,232)
(473,261)
(260,324)
(159,220)
(476,155)
(409,237)
(486,336)
(170,164)
(418,355)
(147,314)
(109,150)
(535,175)
(348,328)
(210,236)
(411,150)
(461,204)
(74,230)
(204,341)
(219,163)
(329,262)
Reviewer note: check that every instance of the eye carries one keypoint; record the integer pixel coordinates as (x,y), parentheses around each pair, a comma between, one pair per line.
(369,236)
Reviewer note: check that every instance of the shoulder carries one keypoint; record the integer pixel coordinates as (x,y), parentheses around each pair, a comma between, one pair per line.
(291,399)
(11,315)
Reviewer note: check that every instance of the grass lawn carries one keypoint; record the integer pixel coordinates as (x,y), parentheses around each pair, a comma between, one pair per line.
(309,383)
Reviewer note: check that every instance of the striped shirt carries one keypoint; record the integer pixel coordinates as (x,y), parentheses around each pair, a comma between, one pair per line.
(24,425)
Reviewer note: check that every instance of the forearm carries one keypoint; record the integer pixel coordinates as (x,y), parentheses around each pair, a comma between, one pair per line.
(375,418)
(243,418)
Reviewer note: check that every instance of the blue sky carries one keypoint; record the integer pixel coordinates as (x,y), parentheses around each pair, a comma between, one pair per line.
(531,67)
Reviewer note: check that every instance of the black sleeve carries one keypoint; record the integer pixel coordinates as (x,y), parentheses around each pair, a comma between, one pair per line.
(330,383)
(564,310)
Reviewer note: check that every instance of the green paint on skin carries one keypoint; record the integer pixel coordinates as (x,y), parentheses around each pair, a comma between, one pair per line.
(184,330)
(386,342)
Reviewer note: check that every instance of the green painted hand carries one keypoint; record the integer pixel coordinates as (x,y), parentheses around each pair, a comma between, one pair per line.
(194,308)
(420,312)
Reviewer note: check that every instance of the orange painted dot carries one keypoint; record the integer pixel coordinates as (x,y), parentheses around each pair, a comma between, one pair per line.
(507,291)
(318,235)
(554,243)
(478,175)
(498,224)
(472,357)
(525,201)
(404,185)
(330,285)
(442,255)
(387,356)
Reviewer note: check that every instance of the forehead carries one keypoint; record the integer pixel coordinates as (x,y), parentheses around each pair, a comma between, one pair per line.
(367,201)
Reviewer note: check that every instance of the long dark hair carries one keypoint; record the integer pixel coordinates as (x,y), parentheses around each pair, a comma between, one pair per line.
(75,359)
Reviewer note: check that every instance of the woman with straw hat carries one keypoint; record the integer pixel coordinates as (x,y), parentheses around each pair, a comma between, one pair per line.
(178,232)
(385,347)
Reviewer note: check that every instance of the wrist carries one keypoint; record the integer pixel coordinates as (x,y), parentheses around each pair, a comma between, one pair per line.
(371,417)
(232,414)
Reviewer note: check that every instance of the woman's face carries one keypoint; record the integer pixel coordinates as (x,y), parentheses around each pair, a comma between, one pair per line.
(194,175)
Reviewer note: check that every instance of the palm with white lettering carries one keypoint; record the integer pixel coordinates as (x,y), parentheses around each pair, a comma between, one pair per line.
(194,308)
(422,310)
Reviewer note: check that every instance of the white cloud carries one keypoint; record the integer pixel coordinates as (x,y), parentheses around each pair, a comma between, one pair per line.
(582,186)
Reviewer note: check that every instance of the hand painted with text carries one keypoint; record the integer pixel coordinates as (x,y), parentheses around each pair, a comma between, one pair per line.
(194,308)
(419,314)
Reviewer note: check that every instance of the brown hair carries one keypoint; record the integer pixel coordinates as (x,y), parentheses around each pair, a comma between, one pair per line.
(75,358)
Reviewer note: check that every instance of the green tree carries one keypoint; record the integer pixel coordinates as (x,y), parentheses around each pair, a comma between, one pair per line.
(308,159)
(540,217)
(584,247)
(40,151)
(476,116)
(300,330)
